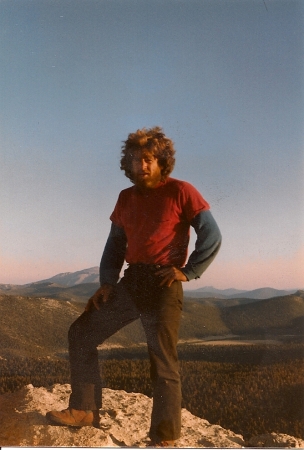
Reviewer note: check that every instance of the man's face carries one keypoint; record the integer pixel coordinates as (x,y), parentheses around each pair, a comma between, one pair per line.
(145,169)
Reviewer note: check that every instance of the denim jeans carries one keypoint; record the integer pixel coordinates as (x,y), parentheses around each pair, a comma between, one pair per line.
(137,295)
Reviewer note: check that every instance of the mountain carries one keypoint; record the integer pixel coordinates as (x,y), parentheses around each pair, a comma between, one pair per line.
(80,285)
(212,290)
(263,293)
(256,294)
(67,279)
(38,326)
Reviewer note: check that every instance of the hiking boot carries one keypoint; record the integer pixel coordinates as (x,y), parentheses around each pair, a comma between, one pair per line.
(74,417)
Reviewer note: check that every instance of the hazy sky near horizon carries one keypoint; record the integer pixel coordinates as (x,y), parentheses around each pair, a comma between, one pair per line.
(224,78)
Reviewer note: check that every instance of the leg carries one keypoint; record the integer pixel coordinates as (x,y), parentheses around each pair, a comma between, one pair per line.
(161,323)
(86,333)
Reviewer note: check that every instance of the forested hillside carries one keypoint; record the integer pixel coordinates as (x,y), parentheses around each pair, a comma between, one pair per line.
(38,326)
(254,397)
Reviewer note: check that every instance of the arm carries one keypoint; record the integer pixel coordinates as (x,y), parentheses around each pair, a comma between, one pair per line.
(113,256)
(110,266)
(207,245)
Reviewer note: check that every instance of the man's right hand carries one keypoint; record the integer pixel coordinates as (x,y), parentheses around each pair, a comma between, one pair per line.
(101,296)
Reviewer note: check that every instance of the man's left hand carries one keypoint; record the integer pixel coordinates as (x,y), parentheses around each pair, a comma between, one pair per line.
(170,274)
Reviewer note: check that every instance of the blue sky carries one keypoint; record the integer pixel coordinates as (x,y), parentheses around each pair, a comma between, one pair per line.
(223,78)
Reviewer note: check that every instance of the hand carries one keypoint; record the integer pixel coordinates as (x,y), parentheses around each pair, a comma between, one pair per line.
(101,295)
(170,274)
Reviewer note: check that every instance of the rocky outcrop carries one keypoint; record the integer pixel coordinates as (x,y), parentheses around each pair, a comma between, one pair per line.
(273,440)
(124,422)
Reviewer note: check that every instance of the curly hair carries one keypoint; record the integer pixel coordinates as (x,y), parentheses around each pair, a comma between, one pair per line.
(153,140)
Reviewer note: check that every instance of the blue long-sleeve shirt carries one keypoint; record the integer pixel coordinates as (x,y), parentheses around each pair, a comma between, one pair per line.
(207,245)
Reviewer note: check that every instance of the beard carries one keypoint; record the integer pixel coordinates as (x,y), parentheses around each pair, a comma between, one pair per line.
(147,180)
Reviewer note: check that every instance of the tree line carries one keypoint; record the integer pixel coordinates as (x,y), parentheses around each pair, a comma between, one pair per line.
(249,398)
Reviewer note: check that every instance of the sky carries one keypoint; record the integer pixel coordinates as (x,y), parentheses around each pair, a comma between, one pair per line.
(224,78)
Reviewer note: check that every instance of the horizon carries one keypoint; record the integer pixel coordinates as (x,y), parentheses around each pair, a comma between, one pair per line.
(191,288)
(225,80)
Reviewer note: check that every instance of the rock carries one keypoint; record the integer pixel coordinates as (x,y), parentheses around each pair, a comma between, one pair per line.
(275,440)
(124,421)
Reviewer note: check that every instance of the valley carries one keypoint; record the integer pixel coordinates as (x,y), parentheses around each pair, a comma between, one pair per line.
(239,357)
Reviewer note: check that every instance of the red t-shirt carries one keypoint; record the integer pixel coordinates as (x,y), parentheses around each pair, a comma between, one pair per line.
(157,222)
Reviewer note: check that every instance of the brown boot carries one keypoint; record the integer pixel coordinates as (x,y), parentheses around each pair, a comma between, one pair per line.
(74,417)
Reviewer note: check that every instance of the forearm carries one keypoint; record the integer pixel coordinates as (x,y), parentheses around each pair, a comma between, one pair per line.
(113,256)
(207,245)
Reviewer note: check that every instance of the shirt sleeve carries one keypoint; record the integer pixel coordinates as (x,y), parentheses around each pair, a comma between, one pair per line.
(207,245)
(192,202)
(116,214)
(113,256)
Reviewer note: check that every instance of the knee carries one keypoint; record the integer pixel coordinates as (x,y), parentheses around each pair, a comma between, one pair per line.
(165,373)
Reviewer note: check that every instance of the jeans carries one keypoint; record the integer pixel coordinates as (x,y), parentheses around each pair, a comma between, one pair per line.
(137,295)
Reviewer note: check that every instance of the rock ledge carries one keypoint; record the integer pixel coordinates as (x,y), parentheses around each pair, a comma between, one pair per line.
(124,422)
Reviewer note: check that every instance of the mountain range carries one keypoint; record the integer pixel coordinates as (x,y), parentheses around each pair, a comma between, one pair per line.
(80,285)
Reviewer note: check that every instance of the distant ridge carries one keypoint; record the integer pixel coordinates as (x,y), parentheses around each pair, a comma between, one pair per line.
(264,293)
(258,294)
(226,292)
(84,282)
(68,279)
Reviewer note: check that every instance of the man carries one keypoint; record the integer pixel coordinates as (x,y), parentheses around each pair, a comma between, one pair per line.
(150,230)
